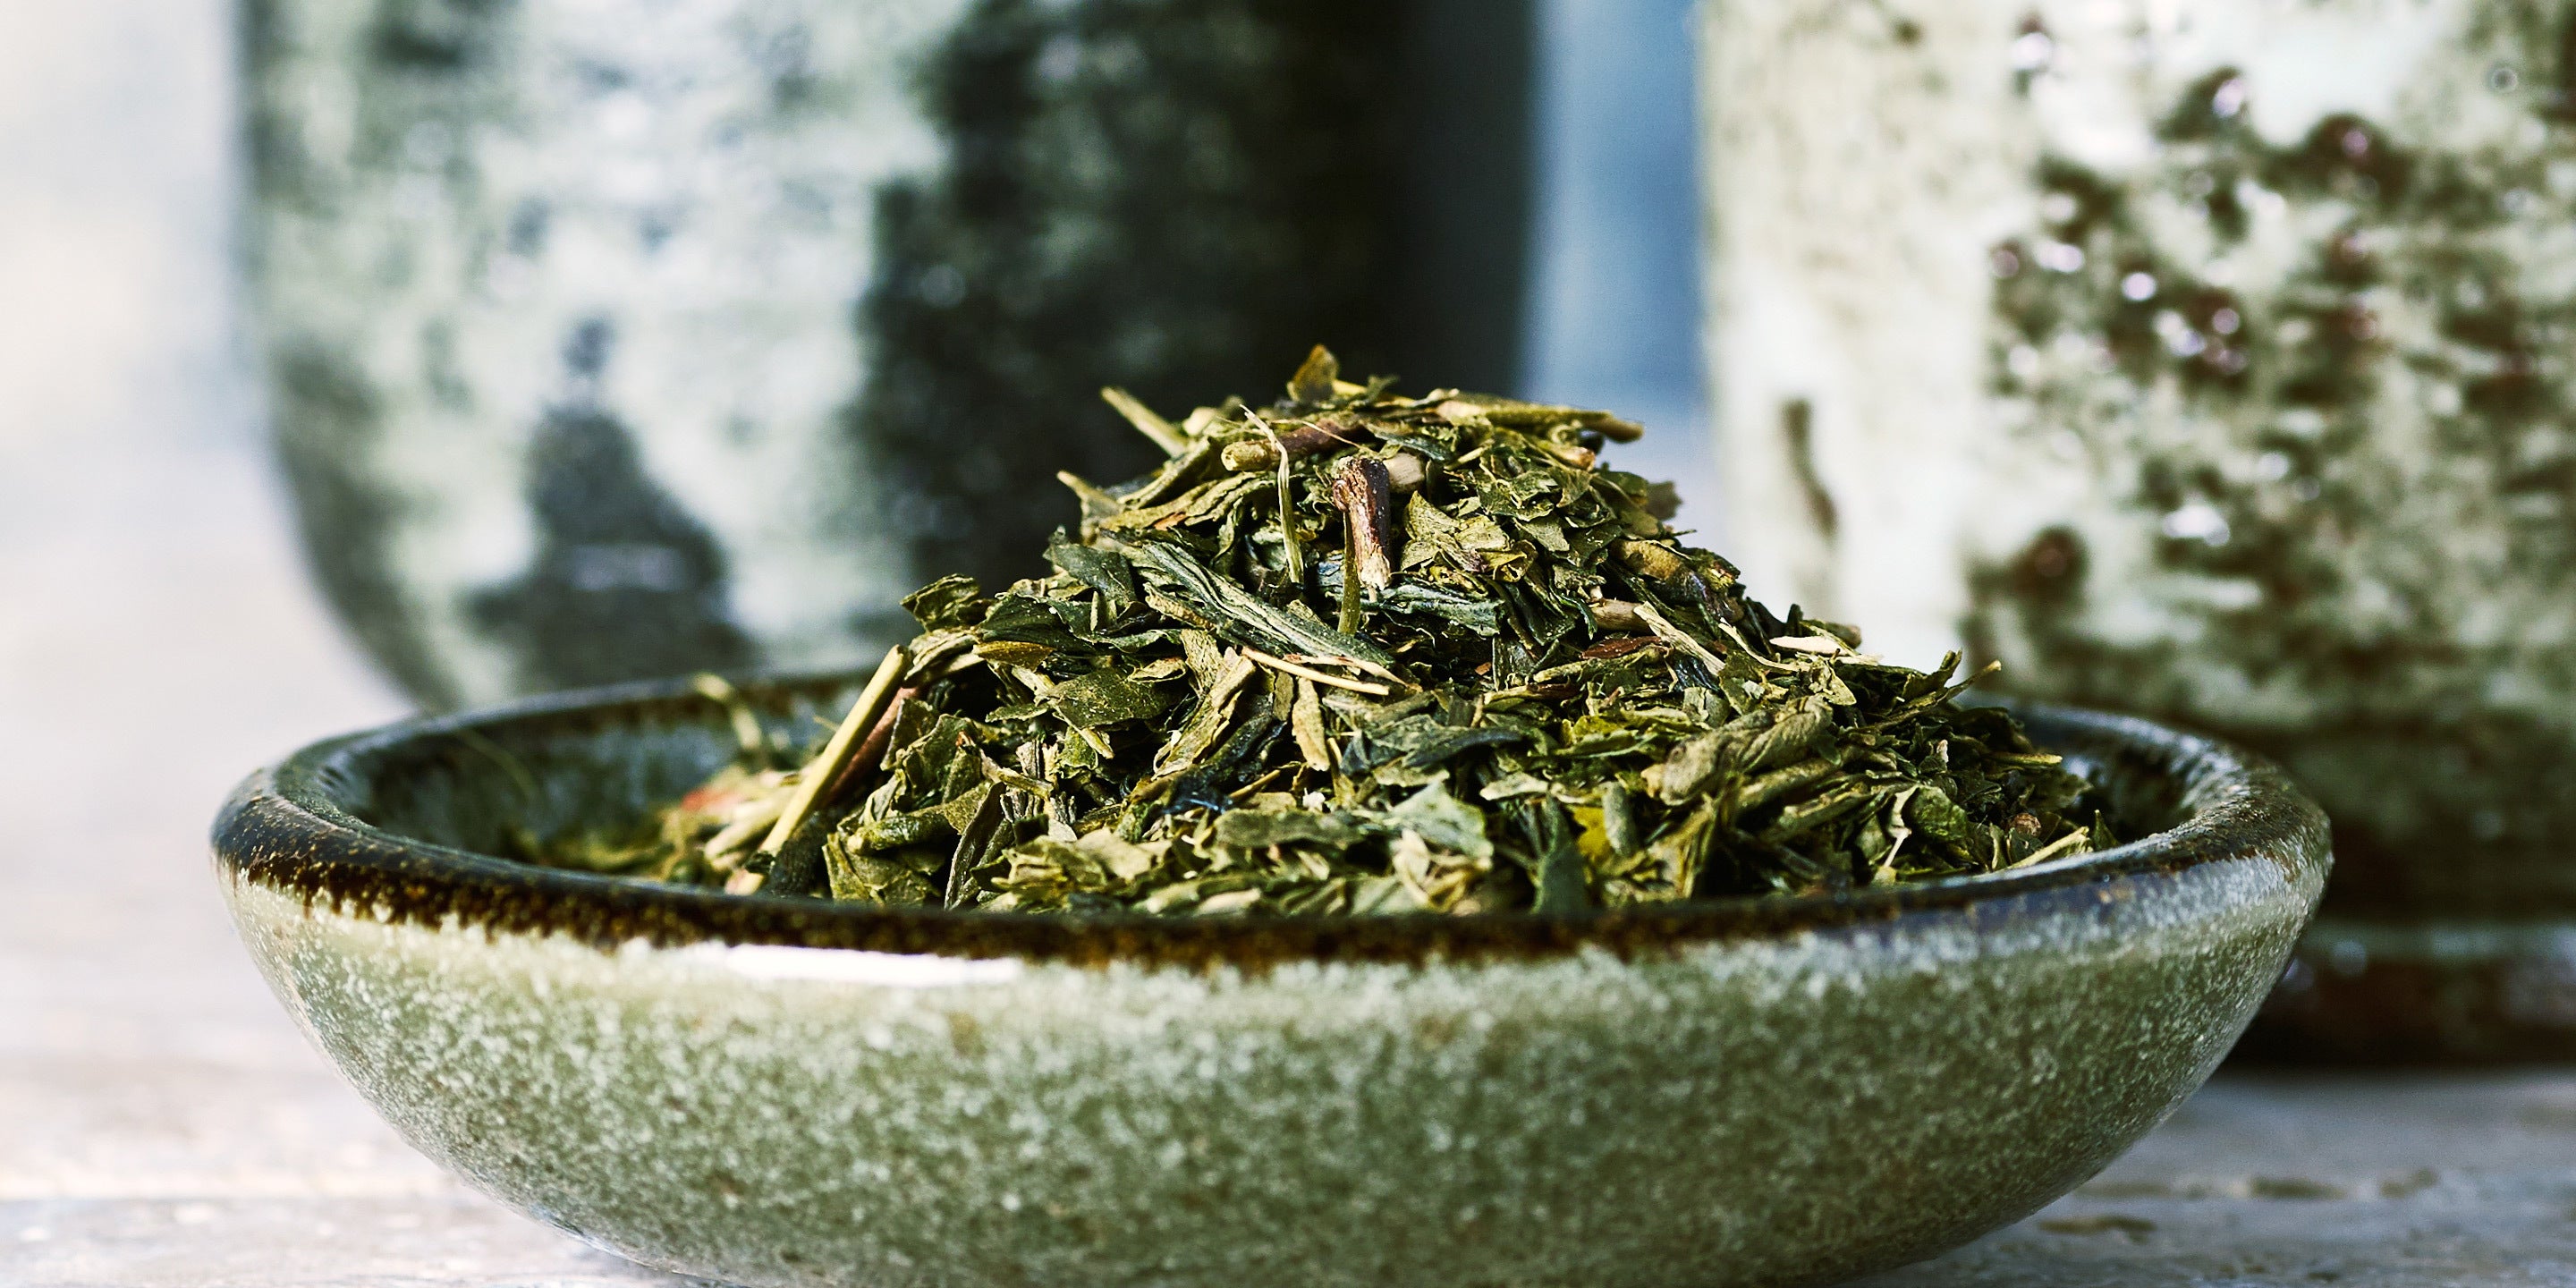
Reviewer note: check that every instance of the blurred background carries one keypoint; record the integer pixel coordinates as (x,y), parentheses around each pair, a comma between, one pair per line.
(161,634)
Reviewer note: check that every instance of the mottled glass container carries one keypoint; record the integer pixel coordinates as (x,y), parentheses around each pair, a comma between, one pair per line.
(611,338)
(2206,358)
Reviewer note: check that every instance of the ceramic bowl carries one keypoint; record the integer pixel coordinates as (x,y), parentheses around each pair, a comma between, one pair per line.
(770,1091)
(612,338)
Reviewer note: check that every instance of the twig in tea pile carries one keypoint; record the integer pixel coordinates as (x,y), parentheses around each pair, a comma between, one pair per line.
(1165,434)
(824,771)
(1319,677)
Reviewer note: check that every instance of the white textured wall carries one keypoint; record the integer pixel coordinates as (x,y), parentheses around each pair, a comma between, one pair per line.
(115,150)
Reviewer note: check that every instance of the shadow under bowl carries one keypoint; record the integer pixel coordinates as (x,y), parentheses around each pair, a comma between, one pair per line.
(774,1091)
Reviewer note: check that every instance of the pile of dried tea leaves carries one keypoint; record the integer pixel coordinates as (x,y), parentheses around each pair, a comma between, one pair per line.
(1361,653)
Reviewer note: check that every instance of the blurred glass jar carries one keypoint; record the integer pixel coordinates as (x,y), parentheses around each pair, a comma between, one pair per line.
(611,338)
(2210,359)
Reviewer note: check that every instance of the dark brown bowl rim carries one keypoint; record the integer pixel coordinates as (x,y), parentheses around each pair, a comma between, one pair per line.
(287,828)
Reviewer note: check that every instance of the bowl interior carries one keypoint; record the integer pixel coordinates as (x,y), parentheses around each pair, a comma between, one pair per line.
(500,782)
(490,784)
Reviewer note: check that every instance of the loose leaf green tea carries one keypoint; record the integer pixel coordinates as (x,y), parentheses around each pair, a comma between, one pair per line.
(1355,652)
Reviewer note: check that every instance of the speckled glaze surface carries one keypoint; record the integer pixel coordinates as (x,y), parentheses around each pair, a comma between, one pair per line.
(789,1092)
(617,338)
(2202,358)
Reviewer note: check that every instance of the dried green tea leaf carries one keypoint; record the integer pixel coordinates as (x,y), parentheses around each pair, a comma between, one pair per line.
(1239,615)
(947,603)
(1444,820)
(1214,717)
(1560,882)
(1105,571)
(1315,378)
(1104,697)
(1257,829)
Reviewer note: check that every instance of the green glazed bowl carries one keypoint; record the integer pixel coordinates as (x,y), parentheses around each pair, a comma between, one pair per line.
(770,1091)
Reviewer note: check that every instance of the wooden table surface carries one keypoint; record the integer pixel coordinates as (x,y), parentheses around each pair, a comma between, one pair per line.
(161,1123)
